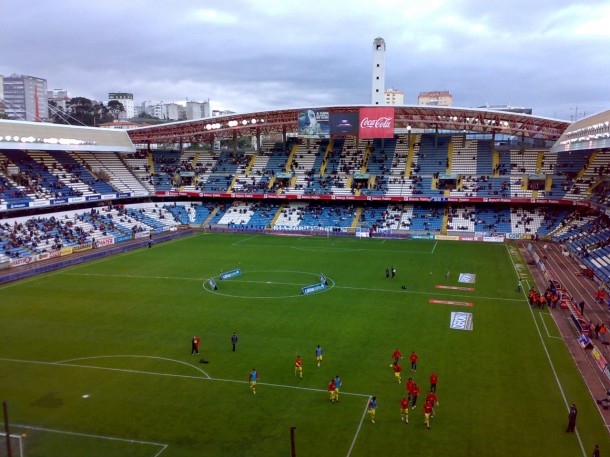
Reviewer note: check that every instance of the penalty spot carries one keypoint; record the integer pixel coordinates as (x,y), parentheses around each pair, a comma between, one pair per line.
(85,395)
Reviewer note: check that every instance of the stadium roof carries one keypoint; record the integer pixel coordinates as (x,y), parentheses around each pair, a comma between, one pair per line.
(592,132)
(415,116)
(58,137)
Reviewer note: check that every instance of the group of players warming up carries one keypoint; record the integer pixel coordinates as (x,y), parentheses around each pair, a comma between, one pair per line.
(412,391)
(334,386)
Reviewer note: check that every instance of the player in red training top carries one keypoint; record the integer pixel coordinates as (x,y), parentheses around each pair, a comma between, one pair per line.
(298,367)
(414,360)
(433,381)
(404,410)
(396,356)
(397,370)
(409,386)
(331,389)
(427,412)
(433,400)
(414,395)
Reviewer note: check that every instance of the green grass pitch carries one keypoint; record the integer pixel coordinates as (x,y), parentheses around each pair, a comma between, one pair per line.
(95,359)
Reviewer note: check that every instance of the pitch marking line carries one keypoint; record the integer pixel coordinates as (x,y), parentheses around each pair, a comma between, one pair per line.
(64,362)
(237,243)
(366,405)
(434,248)
(332,250)
(546,328)
(88,435)
(132,276)
(173,375)
(546,350)
(370,289)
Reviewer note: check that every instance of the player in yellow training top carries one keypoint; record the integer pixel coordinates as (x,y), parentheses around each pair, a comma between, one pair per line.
(319,355)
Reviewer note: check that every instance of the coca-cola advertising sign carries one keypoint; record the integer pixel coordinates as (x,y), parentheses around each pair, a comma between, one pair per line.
(376,122)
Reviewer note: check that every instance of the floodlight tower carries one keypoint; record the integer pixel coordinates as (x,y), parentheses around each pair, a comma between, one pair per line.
(378,85)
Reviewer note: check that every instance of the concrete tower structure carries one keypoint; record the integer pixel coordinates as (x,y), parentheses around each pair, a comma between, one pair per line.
(378,86)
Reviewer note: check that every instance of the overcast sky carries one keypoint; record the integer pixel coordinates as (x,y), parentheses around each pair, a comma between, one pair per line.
(248,55)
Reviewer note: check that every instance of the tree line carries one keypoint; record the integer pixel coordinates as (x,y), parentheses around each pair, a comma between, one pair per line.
(82,111)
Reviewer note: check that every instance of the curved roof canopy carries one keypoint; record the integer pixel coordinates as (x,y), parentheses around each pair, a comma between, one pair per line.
(58,137)
(417,117)
(592,132)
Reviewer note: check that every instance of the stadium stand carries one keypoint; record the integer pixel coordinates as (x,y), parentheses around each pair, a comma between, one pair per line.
(422,165)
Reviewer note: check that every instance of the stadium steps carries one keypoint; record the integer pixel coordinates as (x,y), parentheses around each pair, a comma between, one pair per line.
(590,189)
(271,181)
(410,156)
(277,215)
(295,147)
(583,170)
(371,182)
(348,183)
(210,217)
(327,152)
(293,182)
(449,157)
(534,194)
(445,223)
(548,184)
(151,163)
(496,162)
(365,159)
(195,160)
(357,217)
(230,188)
(250,165)
(539,161)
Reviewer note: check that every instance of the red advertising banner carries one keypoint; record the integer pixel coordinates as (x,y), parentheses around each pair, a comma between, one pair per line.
(406,198)
(376,122)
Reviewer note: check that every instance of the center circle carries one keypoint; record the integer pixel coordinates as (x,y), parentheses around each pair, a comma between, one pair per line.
(281,280)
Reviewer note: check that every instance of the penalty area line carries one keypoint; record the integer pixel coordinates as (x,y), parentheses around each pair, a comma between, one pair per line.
(90,435)
(366,405)
(173,375)
(285,386)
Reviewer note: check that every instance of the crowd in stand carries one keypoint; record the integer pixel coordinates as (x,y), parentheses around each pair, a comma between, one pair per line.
(40,235)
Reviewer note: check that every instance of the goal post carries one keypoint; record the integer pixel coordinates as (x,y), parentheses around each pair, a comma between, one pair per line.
(16,445)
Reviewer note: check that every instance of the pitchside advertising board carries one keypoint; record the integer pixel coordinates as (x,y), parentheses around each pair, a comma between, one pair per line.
(461,321)
(230,274)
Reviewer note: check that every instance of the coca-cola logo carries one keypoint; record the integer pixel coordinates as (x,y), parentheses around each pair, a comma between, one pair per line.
(381,122)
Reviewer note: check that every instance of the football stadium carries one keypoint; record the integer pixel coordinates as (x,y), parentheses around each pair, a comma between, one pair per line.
(164,296)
